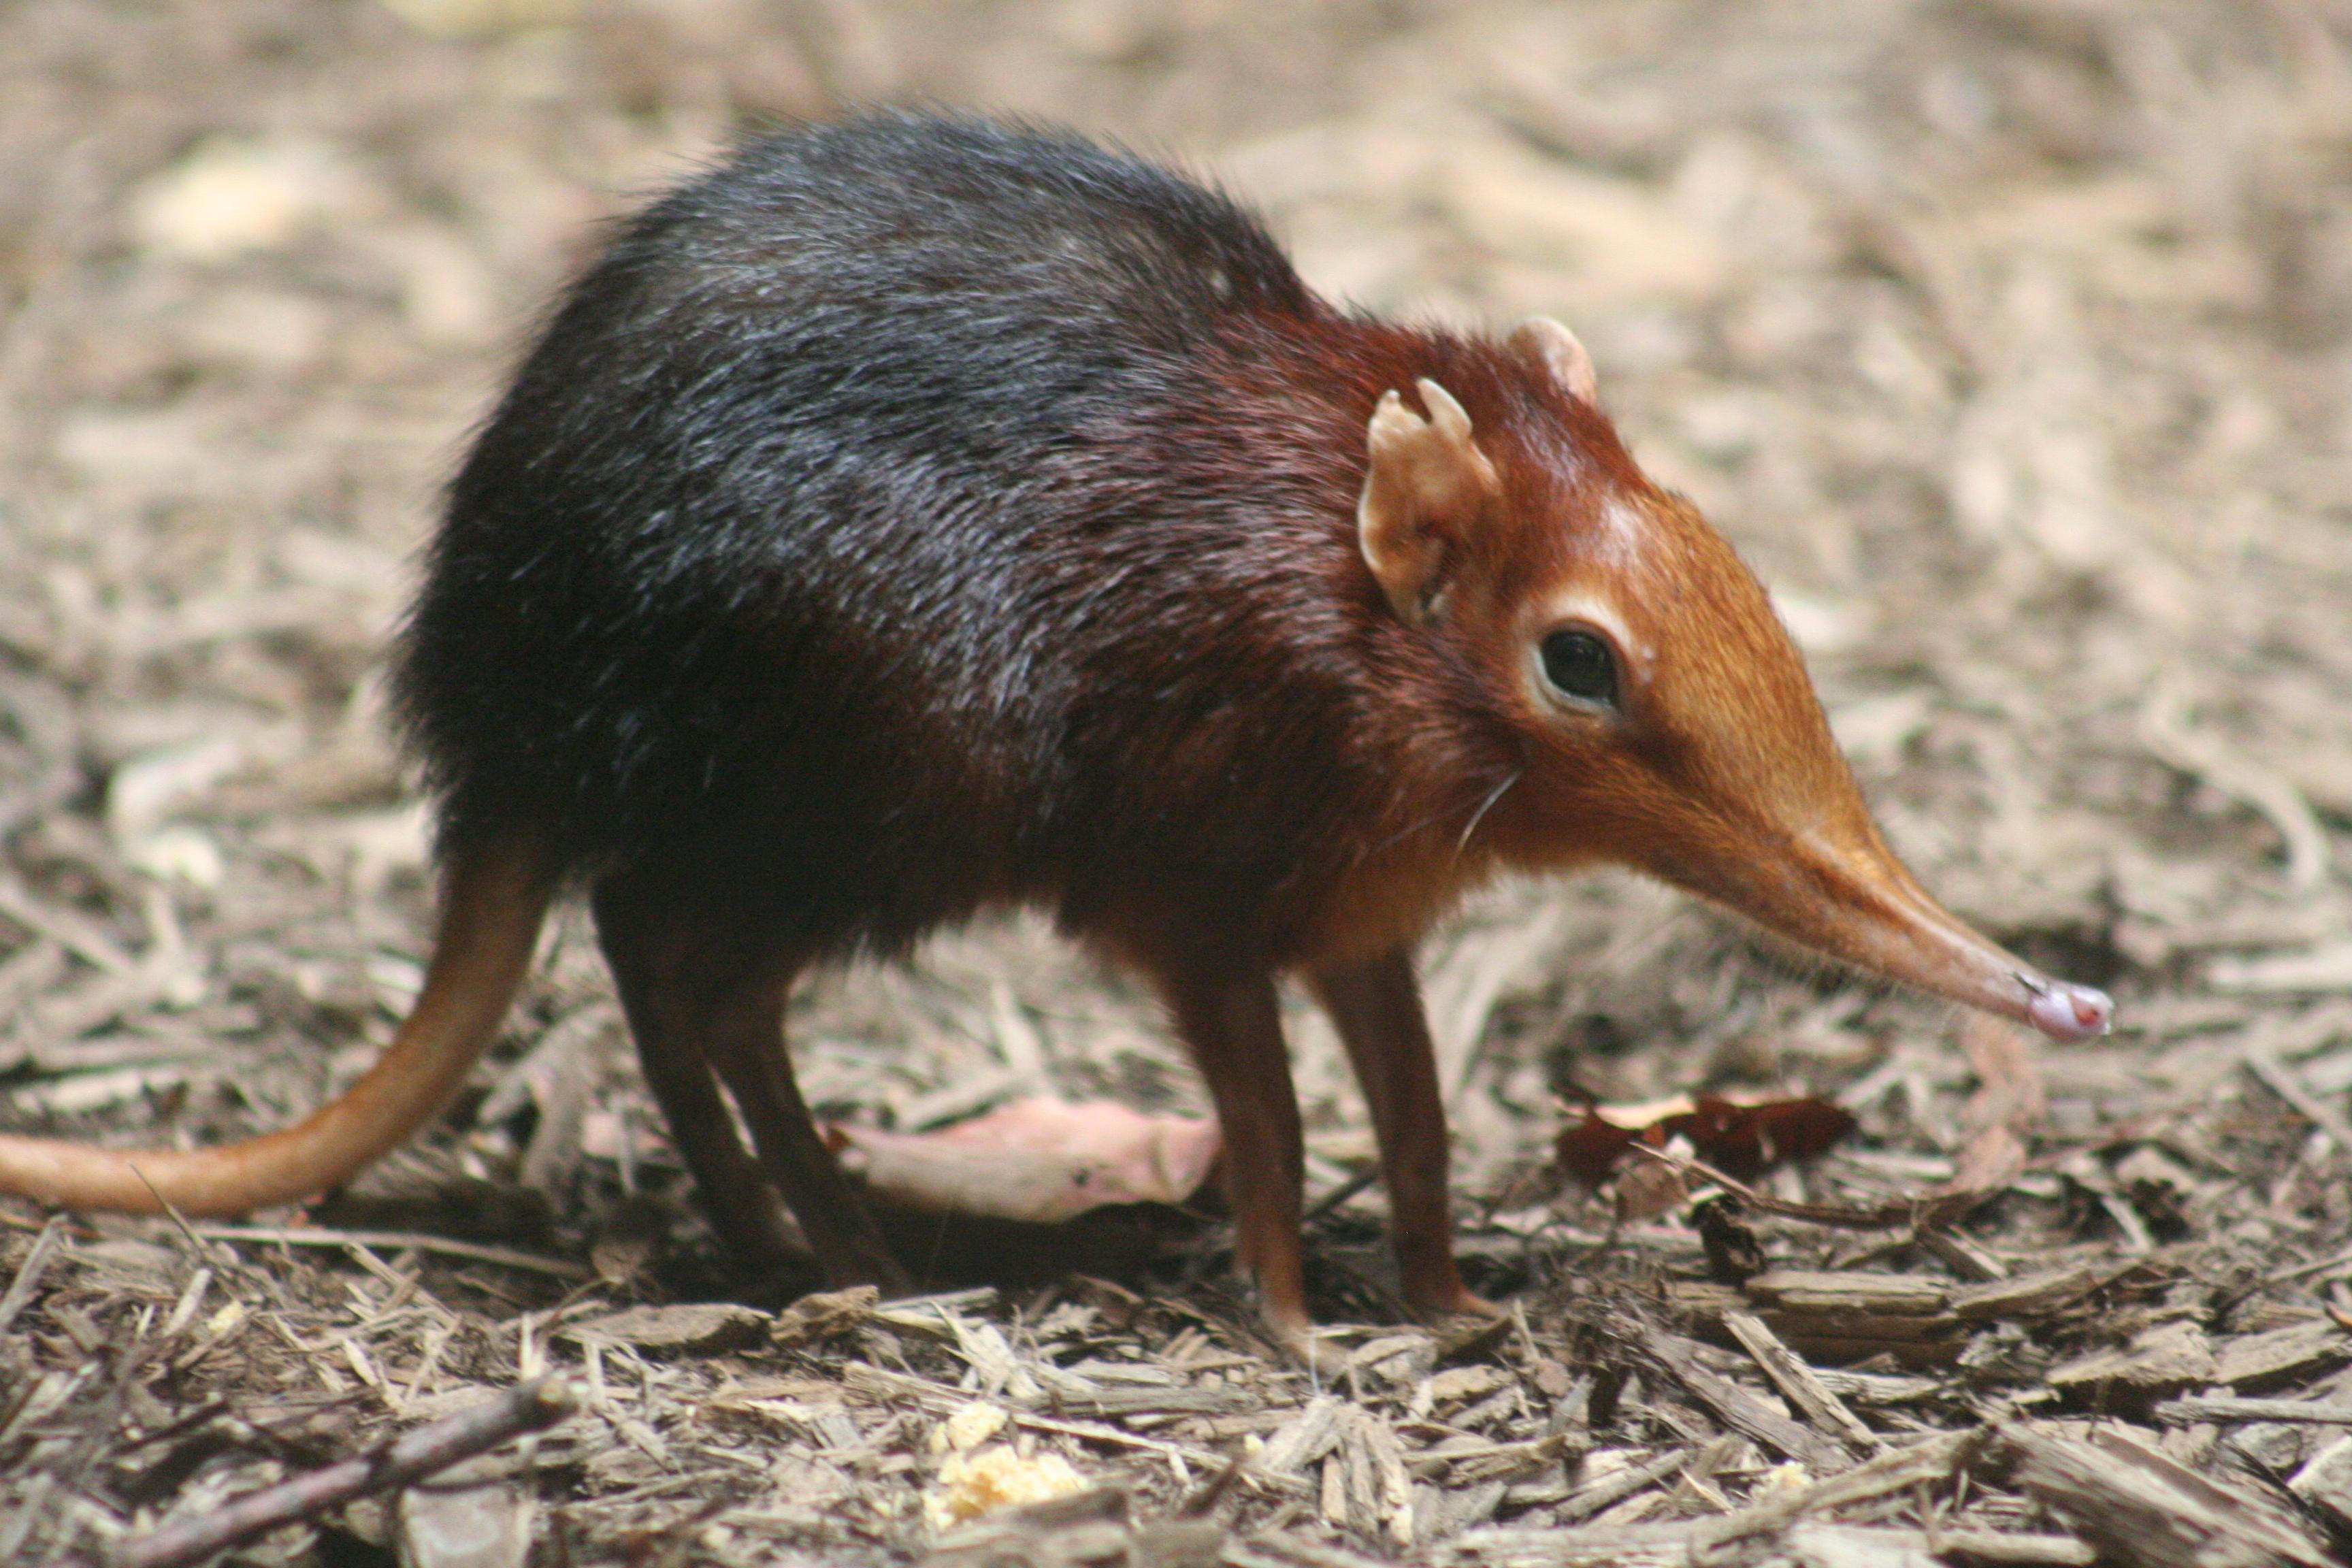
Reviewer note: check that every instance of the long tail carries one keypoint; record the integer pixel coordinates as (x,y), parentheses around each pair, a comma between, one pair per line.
(493,902)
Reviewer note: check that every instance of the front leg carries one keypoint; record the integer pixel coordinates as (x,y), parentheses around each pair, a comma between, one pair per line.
(1233,1027)
(1376,1006)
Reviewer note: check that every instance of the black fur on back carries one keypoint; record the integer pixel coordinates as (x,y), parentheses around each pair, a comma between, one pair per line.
(863,529)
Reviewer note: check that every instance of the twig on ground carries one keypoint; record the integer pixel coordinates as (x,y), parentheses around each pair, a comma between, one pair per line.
(308,1236)
(1930,1210)
(2222,1410)
(525,1407)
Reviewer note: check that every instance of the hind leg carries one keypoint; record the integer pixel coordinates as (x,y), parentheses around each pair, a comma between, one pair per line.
(705,998)
(747,1047)
(741,1207)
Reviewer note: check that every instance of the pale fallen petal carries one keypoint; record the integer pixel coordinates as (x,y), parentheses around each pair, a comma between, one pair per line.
(1041,1160)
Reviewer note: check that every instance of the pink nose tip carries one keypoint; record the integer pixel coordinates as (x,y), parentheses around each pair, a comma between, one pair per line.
(2064,1011)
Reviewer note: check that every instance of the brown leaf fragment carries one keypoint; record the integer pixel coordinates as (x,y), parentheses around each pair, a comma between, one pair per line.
(2143,1511)
(1588,1148)
(822,1315)
(698,1328)
(1742,1140)
(1747,1141)
(2283,1358)
(1460,1335)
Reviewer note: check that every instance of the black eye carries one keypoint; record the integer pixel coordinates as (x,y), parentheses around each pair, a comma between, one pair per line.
(1580,664)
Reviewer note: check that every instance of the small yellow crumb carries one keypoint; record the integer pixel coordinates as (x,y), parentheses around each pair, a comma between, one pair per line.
(969,1427)
(971,1485)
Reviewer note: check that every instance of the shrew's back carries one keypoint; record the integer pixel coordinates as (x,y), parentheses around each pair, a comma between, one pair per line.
(822,508)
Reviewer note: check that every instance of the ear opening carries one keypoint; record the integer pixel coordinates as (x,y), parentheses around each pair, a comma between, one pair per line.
(1424,488)
(1551,348)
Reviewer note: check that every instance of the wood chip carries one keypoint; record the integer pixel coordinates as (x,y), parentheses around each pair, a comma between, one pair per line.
(2027,1295)
(451,1525)
(702,1328)
(2195,1408)
(1746,1412)
(1876,1546)
(2256,1363)
(1617,1486)
(1875,1295)
(2143,1511)
(2158,1363)
(28,1273)
(1305,1438)
(1796,1381)
(823,1314)
(2324,1484)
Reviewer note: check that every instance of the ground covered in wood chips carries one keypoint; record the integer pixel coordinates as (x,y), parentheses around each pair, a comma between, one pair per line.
(2011,338)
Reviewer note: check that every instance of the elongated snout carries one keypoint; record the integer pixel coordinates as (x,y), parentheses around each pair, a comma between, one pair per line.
(1858,904)
(2066,1011)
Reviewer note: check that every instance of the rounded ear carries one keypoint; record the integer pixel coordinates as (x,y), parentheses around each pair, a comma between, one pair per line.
(1425,487)
(1554,350)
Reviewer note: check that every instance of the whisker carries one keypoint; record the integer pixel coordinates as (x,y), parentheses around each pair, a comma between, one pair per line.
(1484,806)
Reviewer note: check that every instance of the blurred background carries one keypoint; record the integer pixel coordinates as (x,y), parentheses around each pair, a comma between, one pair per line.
(2010,340)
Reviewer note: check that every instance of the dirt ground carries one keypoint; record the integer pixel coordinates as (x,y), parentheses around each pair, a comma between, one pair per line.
(2010,340)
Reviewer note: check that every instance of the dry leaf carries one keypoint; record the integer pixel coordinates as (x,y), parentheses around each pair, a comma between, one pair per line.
(1742,1139)
(1042,1161)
